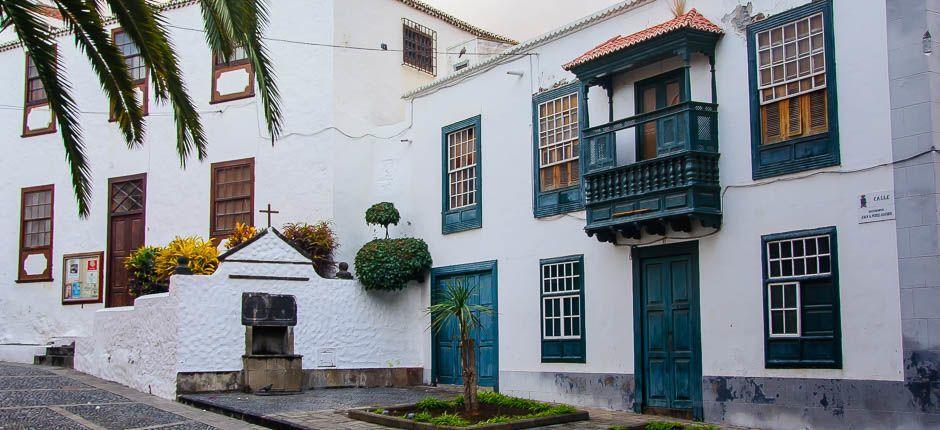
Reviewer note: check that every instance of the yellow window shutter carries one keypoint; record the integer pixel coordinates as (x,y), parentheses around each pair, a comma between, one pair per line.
(795,116)
(772,122)
(818,112)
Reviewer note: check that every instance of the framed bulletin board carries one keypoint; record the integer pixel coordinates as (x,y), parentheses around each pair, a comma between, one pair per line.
(82,276)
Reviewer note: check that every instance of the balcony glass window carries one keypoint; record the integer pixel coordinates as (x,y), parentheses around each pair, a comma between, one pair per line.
(557,148)
(462,205)
(562,290)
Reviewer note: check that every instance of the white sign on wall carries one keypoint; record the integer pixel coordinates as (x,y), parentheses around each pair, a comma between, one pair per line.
(876,206)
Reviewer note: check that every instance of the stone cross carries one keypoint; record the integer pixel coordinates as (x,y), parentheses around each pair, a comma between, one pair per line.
(269,212)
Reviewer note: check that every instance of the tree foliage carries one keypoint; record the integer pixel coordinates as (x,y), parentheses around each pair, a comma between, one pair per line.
(388,264)
(228,24)
(383,214)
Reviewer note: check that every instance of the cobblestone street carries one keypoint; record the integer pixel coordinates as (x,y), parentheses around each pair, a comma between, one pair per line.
(33,397)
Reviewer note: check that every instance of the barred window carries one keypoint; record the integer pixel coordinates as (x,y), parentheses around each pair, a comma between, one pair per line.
(461,167)
(559,143)
(561,300)
(132,57)
(799,257)
(419,46)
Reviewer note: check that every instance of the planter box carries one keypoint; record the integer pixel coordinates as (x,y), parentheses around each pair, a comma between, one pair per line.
(404,423)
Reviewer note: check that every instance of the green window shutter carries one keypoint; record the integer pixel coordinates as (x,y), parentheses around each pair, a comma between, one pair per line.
(797,258)
(566,194)
(462,186)
(561,289)
(804,133)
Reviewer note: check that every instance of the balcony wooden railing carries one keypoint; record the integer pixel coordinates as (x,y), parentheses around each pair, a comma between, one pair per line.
(677,186)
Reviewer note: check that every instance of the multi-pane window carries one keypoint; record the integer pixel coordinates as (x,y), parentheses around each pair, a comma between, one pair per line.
(419,46)
(784,309)
(461,167)
(562,292)
(232,196)
(792,73)
(35,91)
(798,257)
(127,197)
(801,297)
(239,56)
(556,150)
(132,58)
(35,260)
(232,79)
(559,143)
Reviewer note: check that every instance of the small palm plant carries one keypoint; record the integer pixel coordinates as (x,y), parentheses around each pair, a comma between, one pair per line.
(453,304)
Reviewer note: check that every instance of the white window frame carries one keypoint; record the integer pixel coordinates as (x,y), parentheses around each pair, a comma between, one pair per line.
(558,130)
(774,62)
(469,170)
(771,309)
(805,257)
(557,287)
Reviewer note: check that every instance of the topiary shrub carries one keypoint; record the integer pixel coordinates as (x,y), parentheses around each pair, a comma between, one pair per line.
(141,266)
(388,264)
(383,214)
(318,241)
(202,255)
(242,233)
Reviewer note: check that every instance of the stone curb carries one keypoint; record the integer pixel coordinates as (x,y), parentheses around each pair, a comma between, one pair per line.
(249,417)
(402,423)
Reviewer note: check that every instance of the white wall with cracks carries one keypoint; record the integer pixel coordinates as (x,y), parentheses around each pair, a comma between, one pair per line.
(197,327)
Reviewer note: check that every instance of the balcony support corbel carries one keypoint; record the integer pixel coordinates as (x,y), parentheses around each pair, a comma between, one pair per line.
(656,227)
(683,224)
(630,231)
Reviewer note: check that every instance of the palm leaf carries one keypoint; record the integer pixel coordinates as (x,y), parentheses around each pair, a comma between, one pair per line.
(242,23)
(23,16)
(453,304)
(92,38)
(142,23)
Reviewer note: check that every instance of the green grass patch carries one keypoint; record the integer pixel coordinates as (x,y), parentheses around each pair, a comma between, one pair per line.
(671,425)
(448,412)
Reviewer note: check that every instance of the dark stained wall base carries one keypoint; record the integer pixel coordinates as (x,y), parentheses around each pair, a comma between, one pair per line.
(601,390)
(209,382)
(787,403)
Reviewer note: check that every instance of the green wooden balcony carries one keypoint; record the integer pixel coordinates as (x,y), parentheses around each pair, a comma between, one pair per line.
(675,188)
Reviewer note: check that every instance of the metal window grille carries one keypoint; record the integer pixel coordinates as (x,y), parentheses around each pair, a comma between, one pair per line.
(37,219)
(561,301)
(461,168)
(419,46)
(791,59)
(784,307)
(807,256)
(132,57)
(559,142)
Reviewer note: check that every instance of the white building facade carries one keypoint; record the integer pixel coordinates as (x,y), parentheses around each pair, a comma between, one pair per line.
(728,215)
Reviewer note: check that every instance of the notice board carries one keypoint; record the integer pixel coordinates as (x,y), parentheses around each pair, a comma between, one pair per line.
(81,278)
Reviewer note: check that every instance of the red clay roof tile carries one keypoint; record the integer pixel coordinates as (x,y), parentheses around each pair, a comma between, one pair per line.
(692,19)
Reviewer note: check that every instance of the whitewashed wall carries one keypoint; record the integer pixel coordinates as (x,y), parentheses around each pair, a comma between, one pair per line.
(320,170)
(730,267)
(196,327)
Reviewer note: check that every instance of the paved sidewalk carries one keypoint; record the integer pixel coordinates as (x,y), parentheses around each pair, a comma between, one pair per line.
(35,397)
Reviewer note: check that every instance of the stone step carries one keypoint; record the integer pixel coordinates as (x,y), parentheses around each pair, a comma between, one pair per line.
(55,360)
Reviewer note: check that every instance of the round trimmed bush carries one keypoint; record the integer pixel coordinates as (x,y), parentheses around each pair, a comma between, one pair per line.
(388,264)
(383,214)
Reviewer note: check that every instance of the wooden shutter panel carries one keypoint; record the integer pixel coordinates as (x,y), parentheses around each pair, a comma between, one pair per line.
(794,116)
(817,112)
(773,130)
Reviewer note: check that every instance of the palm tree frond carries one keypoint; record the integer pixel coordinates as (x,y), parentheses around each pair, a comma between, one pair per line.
(92,38)
(36,38)
(145,26)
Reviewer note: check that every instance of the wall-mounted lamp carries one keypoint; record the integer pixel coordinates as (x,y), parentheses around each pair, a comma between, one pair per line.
(928,43)
(518,73)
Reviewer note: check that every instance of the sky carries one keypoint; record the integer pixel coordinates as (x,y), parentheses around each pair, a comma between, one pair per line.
(520,19)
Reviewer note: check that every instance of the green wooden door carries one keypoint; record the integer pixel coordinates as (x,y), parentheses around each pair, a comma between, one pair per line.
(670,336)
(446,342)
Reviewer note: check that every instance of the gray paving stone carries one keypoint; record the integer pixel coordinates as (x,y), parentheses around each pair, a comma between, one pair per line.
(40,383)
(10,399)
(191,425)
(36,418)
(125,416)
(9,370)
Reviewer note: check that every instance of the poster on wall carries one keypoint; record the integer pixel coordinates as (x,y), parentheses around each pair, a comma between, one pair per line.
(81,282)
